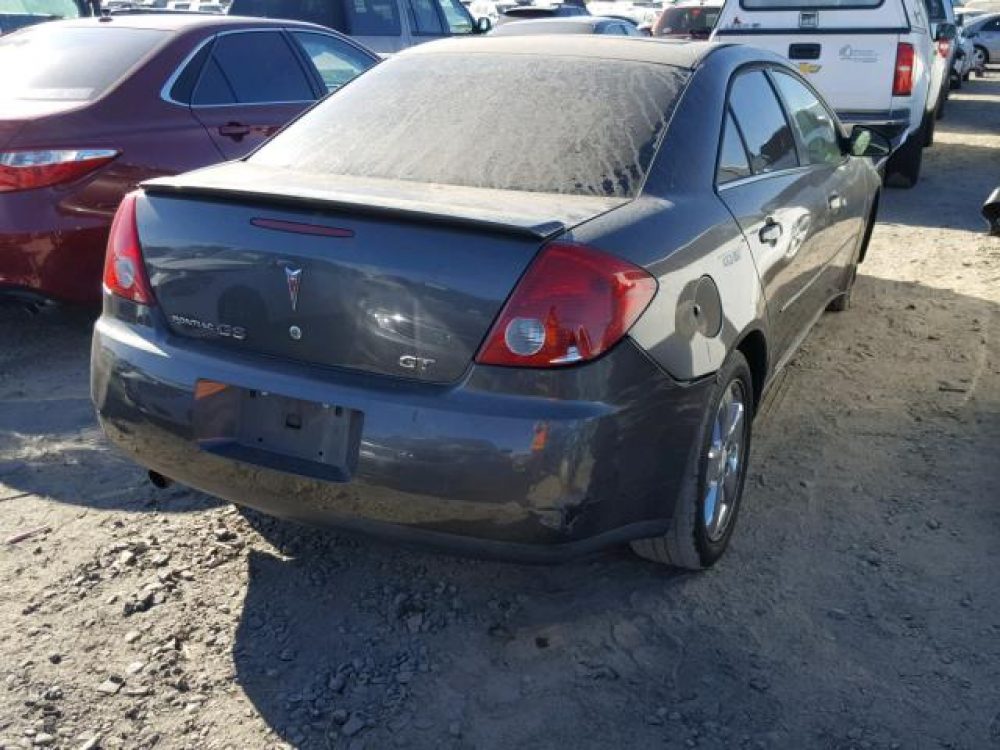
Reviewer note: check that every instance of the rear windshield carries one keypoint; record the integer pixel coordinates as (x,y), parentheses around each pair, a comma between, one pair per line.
(53,8)
(808,4)
(579,126)
(697,22)
(70,64)
(357,17)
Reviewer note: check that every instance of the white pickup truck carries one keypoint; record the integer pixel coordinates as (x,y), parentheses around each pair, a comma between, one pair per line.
(873,61)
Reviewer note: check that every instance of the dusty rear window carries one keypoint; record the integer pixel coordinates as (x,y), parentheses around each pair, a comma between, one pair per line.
(76,64)
(567,125)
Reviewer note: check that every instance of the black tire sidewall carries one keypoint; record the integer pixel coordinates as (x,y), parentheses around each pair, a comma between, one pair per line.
(735,367)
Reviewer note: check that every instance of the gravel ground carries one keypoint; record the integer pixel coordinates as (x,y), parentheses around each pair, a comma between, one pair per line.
(859,606)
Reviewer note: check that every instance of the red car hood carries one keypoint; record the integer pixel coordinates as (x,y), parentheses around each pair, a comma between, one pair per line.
(14,114)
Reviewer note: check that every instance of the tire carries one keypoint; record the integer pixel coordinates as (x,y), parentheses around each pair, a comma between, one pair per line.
(691,542)
(903,168)
(956,82)
(942,101)
(929,128)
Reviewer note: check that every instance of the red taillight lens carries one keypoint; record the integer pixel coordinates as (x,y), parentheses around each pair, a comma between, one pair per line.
(124,272)
(944,48)
(572,305)
(902,81)
(26,170)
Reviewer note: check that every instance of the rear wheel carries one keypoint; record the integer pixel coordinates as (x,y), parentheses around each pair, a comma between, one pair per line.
(703,521)
(903,167)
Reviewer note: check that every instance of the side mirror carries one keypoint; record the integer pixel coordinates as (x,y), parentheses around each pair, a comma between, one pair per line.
(645,29)
(483,25)
(991,212)
(946,32)
(867,142)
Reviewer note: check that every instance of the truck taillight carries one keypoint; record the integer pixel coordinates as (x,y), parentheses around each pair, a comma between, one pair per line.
(573,304)
(27,170)
(124,271)
(902,80)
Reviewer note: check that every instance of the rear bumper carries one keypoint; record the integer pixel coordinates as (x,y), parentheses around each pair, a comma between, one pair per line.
(524,464)
(892,123)
(49,249)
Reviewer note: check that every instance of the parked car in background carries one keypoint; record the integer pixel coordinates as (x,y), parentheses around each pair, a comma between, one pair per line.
(533,346)
(551,10)
(17,14)
(944,30)
(688,19)
(101,104)
(384,26)
(873,60)
(639,13)
(964,61)
(984,33)
(571,25)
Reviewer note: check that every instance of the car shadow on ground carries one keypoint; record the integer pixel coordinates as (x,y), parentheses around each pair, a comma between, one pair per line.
(351,642)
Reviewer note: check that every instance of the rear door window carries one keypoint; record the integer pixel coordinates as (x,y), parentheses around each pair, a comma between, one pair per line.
(813,121)
(425,17)
(336,61)
(257,67)
(768,137)
(70,64)
(372,17)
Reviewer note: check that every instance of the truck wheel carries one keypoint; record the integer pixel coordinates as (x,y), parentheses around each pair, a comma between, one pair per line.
(903,167)
(703,520)
(928,129)
(939,113)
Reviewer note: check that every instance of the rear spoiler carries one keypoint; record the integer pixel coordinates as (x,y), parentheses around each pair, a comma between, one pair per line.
(538,216)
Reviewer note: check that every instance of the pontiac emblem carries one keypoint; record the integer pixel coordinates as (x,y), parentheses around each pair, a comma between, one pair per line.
(294,278)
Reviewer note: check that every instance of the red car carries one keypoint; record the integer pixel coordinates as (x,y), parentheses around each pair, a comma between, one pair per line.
(99,105)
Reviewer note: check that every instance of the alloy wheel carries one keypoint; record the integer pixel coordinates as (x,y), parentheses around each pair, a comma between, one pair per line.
(724,461)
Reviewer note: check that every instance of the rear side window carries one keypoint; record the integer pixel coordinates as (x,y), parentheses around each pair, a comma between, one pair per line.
(70,64)
(768,137)
(733,162)
(255,67)
(811,119)
(425,17)
(549,124)
(697,22)
(336,61)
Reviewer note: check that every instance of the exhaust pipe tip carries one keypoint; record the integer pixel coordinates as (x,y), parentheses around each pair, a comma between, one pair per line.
(159,481)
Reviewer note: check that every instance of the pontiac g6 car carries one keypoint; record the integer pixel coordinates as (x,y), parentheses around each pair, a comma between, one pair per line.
(532,346)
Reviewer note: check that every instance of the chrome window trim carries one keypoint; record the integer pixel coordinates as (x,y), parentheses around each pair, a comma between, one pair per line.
(767,175)
(165,91)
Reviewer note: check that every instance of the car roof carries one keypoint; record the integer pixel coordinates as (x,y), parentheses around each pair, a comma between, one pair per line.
(697,4)
(559,21)
(179,22)
(678,53)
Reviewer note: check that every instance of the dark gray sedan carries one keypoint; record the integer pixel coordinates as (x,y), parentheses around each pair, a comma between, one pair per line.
(402,315)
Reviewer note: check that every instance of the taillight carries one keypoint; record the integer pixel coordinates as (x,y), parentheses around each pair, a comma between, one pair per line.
(902,80)
(572,305)
(124,273)
(944,48)
(26,170)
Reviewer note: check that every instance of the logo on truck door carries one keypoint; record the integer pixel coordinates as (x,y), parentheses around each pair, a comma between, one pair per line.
(808,19)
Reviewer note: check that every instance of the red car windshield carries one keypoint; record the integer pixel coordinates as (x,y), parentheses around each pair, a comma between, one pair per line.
(695,22)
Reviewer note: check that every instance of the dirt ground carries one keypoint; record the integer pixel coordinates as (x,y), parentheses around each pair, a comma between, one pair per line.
(859,606)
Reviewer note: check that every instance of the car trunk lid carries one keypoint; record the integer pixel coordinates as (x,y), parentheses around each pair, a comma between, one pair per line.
(390,277)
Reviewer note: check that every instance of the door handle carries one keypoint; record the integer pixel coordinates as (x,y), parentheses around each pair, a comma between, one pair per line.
(770,232)
(234,130)
(835,202)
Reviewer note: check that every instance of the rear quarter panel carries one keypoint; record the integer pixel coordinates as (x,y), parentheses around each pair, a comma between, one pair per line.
(681,232)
